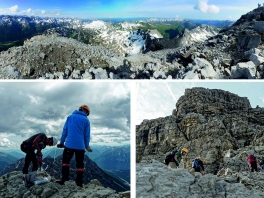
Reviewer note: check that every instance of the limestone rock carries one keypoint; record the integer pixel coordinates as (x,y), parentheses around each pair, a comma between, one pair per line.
(156,180)
(218,125)
(11,186)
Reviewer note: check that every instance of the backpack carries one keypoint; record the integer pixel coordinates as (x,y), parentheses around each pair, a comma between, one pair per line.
(195,163)
(251,158)
(169,158)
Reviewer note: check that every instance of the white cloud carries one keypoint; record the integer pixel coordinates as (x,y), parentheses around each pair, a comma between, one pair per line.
(7,143)
(204,7)
(14,8)
(262,98)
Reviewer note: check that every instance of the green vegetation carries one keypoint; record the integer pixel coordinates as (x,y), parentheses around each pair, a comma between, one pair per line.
(15,33)
(168,29)
(6,45)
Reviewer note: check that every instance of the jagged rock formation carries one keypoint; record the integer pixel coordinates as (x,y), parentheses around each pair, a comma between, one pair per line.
(157,180)
(187,38)
(219,126)
(11,186)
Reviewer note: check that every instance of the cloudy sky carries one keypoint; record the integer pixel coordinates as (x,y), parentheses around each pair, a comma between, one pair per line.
(158,99)
(28,108)
(188,9)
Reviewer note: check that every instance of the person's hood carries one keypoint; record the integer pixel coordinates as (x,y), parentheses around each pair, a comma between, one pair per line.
(79,112)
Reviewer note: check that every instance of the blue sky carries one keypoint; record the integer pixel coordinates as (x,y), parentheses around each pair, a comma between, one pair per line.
(188,9)
(158,99)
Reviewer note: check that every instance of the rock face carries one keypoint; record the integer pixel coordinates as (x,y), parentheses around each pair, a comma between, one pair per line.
(217,125)
(210,123)
(157,180)
(197,35)
(11,186)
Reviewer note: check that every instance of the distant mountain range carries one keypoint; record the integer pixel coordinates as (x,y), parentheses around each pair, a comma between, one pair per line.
(115,160)
(106,157)
(6,159)
(14,30)
(92,171)
(143,49)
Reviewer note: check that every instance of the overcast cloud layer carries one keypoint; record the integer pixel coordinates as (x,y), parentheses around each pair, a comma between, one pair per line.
(158,99)
(28,108)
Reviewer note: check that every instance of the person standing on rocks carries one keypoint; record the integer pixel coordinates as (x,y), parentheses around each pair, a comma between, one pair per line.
(253,163)
(35,142)
(198,166)
(178,156)
(75,139)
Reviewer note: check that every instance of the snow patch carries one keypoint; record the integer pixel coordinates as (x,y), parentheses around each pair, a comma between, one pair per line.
(98,25)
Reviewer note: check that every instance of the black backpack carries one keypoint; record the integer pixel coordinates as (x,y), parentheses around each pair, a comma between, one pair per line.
(170,157)
(195,163)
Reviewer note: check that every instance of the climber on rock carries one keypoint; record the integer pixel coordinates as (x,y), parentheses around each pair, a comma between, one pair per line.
(35,142)
(197,165)
(178,156)
(253,163)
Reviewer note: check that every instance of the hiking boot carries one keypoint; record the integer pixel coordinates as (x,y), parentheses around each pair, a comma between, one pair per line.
(27,183)
(61,182)
(80,185)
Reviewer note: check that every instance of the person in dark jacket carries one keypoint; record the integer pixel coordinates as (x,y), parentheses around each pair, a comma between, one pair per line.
(35,142)
(253,163)
(75,139)
(198,165)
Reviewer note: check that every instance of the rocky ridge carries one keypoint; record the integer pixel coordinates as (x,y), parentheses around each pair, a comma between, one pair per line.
(234,53)
(92,171)
(217,125)
(11,186)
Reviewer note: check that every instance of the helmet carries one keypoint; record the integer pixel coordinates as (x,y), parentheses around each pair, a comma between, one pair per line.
(54,141)
(199,157)
(185,150)
(84,106)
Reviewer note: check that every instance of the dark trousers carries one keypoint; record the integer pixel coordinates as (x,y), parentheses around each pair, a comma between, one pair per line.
(30,157)
(79,158)
(253,166)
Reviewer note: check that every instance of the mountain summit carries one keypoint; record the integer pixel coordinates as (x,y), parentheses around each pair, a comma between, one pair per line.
(11,186)
(217,125)
(235,52)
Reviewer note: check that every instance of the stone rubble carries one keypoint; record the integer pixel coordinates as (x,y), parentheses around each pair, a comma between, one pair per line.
(234,53)
(11,186)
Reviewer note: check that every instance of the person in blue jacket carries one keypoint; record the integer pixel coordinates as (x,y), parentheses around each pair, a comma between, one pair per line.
(75,139)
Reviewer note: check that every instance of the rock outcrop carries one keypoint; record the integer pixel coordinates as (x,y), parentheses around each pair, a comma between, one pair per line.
(219,126)
(157,180)
(92,171)
(11,186)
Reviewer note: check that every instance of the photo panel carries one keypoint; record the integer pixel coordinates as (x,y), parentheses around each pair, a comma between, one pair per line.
(138,39)
(69,137)
(199,139)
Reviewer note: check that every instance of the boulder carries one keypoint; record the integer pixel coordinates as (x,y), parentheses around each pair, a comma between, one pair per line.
(244,70)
